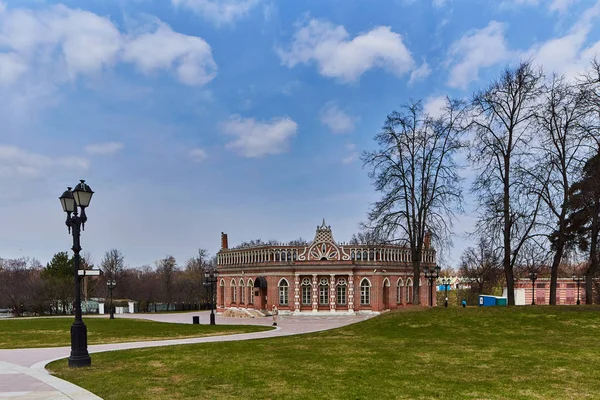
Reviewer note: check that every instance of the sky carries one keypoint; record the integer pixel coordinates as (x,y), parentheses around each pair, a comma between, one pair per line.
(189,118)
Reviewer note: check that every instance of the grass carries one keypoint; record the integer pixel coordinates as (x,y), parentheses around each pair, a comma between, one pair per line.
(474,353)
(54,332)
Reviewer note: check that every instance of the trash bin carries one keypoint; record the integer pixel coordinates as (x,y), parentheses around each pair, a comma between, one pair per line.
(196,319)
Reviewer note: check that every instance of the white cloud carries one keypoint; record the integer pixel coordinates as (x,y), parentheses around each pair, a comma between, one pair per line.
(569,54)
(59,44)
(338,56)
(104,149)
(19,163)
(438,3)
(198,154)
(353,154)
(12,67)
(561,6)
(435,105)
(219,11)
(336,119)
(191,55)
(257,139)
(419,73)
(477,49)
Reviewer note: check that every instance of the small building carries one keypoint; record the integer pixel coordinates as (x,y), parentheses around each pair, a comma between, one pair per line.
(566,291)
(322,277)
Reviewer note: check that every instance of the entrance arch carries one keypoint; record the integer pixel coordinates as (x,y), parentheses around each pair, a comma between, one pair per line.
(260,293)
(386,294)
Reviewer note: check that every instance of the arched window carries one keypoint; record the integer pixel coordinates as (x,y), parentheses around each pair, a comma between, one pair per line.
(365,292)
(306,289)
(250,289)
(233,291)
(242,292)
(399,286)
(324,291)
(283,292)
(341,291)
(409,291)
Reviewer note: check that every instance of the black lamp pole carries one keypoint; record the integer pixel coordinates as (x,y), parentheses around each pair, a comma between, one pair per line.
(446,282)
(533,277)
(70,200)
(210,281)
(578,279)
(111,283)
(431,274)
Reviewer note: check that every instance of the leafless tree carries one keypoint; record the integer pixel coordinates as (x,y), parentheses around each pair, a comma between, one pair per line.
(299,242)
(113,265)
(559,122)
(21,287)
(481,265)
(166,269)
(415,170)
(503,114)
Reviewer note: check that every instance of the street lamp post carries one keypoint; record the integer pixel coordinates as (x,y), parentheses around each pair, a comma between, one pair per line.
(431,274)
(446,282)
(533,277)
(578,279)
(70,200)
(112,284)
(210,280)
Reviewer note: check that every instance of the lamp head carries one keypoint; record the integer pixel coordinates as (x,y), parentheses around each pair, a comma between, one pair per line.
(83,194)
(67,201)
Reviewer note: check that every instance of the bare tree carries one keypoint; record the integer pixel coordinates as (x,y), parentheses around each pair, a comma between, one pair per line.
(113,265)
(21,288)
(415,170)
(166,269)
(502,116)
(559,122)
(298,242)
(482,265)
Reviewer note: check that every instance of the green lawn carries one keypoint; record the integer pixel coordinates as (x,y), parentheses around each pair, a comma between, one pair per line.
(53,332)
(474,353)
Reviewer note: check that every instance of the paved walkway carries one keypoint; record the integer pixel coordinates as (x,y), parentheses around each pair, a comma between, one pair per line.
(23,375)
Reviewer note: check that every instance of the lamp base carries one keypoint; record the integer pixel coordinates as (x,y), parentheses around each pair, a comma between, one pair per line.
(79,354)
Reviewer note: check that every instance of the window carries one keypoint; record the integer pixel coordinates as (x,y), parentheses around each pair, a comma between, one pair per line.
(306,291)
(341,295)
(365,292)
(283,292)
(341,291)
(250,294)
(306,295)
(324,291)
(233,294)
(399,291)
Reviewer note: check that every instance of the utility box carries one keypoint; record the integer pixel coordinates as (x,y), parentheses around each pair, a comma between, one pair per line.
(501,301)
(486,301)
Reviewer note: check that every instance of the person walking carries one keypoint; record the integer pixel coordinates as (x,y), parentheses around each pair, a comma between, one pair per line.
(275,313)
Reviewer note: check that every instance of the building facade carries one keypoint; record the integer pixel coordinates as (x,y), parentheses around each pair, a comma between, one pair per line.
(567,292)
(322,277)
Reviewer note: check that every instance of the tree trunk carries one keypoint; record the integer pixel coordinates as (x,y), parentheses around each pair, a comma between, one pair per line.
(558,255)
(416,281)
(508,272)
(591,271)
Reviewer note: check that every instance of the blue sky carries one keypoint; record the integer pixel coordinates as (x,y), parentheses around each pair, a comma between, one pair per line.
(192,117)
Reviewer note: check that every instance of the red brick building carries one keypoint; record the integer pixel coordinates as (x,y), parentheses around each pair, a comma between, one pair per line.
(321,277)
(566,291)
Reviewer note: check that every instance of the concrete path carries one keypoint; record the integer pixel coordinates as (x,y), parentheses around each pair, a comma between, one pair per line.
(23,375)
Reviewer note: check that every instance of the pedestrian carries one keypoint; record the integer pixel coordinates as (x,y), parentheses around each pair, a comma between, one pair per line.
(275,313)
(464,303)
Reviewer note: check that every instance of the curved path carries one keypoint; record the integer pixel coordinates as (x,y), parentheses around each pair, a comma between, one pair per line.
(23,374)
